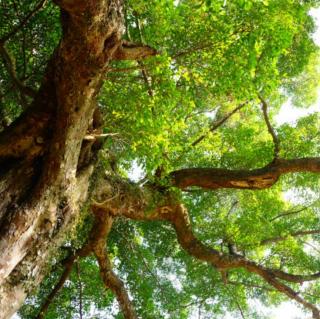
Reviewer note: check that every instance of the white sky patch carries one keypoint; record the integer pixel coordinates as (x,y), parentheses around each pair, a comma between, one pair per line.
(290,114)
(297,197)
(315,13)
(286,310)
(136,172)
(212,114)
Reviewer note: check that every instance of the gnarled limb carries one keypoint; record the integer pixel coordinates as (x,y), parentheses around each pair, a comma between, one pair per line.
(112,282)
(96,244)
(101,229)
(194,247)
(134,207)
(215,178)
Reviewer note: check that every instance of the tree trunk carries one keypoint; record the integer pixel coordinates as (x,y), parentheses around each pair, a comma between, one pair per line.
(42,182)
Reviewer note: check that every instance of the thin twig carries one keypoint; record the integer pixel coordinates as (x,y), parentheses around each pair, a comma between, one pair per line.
(287,213)
(217,124)
(312,246)
(146,266)
(144,72)
(80,289)
(249,285)
(271,131)
(15,30)
(295,234)
(10,66)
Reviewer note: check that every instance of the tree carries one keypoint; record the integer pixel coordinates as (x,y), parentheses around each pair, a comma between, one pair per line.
(188,91)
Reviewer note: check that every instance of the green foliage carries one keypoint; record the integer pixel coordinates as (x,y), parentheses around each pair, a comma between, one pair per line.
(214,56)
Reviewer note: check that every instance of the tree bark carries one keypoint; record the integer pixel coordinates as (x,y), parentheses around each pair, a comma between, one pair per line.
(47,141)
(214,178)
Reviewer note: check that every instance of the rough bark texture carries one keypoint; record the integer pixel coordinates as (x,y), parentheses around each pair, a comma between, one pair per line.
(213,178)
(52,131)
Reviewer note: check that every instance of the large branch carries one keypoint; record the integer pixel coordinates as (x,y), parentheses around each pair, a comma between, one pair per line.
(139,204)
(194,247)
(214,178)
(112,282)
(103,223)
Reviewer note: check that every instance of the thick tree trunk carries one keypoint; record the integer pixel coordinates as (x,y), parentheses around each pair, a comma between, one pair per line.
(42,183)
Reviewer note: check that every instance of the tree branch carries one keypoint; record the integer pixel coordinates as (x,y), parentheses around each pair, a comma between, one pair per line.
(215,178)
(194,247)
(249,285)
(294,234)
(271,131)
(291,212)
(217,124)
(237,303)
(108,276)
(15,30)
(133,51)
(134,205)
(10,66)
(68,264)
(147,268)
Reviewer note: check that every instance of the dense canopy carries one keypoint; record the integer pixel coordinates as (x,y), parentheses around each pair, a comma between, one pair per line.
(145,171)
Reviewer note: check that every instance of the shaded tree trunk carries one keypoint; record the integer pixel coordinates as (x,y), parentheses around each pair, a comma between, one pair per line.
(42,183)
